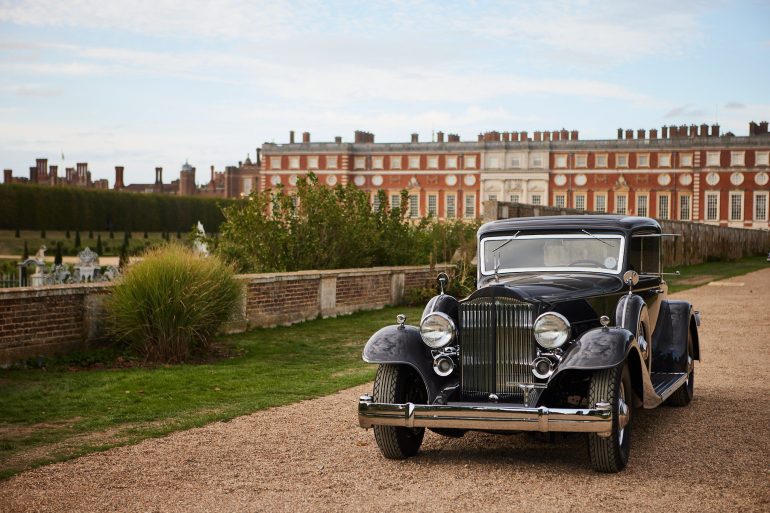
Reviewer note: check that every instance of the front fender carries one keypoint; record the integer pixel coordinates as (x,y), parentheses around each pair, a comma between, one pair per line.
(403,345)
(599,348)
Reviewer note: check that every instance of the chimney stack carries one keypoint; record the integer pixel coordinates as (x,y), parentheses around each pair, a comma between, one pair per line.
(42,169)
(481,137)
(524,137)
(305,137)
(158,175)
(53,174)
(682,131)
(7,175)
(514,136)
(573,135)
(564,134)
(714,130)
(640,134)
(338,139)
(629,134)
(119,177)
(213,173)
(693,130)
(556,135)
(664,132)
(453,138)
(653,133)
(546,135)
(704,130)
(259,157)
(538,136)
(291,136)
(440,137)
(620,133)
(415,138)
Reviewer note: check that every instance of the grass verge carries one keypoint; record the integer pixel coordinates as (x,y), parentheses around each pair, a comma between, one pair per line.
(700,274)
(55,414)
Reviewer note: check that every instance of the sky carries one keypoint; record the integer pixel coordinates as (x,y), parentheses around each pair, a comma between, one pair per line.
(153,83)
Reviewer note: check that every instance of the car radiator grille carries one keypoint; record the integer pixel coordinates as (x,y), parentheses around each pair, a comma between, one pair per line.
(497,348)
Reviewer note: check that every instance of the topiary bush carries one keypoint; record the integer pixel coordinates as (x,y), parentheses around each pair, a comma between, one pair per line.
(172,303)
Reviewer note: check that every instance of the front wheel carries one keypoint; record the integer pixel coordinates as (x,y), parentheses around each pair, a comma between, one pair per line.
(610,454)
(684,393)
(398,384)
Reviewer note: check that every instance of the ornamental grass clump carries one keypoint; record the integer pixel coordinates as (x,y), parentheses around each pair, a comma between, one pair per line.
(171,304)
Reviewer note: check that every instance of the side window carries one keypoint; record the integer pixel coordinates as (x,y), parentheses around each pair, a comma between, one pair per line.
(644,254)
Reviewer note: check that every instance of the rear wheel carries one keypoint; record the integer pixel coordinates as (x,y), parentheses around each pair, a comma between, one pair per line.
(613,386)
(398,384)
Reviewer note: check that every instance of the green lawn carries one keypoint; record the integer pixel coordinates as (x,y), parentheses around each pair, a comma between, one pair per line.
(700,274)
(53,415)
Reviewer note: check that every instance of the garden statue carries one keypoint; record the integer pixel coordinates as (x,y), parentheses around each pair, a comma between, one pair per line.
(199,245)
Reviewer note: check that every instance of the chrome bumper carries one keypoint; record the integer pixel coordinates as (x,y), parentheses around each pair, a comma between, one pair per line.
(486,416)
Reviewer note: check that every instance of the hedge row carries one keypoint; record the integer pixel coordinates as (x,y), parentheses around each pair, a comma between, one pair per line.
(31,207)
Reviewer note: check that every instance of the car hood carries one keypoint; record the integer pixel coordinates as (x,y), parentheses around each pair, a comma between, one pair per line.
(552,287)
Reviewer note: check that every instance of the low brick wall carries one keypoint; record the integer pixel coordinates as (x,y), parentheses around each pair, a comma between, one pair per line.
(48,320)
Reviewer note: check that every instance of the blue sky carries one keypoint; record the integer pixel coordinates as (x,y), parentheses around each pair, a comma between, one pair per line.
(155,82)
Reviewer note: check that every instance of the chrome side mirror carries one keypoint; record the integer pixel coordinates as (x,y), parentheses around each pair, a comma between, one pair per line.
(443,281)
(630,278)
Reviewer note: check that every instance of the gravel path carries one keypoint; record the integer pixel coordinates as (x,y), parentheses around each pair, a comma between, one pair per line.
(711,456)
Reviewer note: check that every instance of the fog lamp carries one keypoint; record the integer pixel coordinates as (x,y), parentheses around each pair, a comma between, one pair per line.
(443,366)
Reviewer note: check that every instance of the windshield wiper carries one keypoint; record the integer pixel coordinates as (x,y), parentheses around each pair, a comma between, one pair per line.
(498,248)
(597,238)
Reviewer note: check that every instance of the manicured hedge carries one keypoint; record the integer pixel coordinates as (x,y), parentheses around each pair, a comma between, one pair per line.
(31,207)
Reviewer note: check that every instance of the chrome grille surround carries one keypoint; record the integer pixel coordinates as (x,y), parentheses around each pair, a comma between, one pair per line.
(496,347)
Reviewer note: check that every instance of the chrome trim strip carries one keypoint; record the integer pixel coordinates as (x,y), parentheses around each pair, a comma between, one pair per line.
(486,416)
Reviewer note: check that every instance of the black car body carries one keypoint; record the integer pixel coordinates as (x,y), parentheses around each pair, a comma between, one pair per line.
(570,329)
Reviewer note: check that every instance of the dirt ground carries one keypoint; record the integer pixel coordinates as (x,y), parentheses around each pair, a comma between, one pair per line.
(711,456)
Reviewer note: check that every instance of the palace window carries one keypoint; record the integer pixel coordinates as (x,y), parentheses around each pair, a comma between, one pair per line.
(359,163)
(621,160)
(331,162)
(664,160)
(395,201)
(414,162)
(377,162)
(516,162)
(760,206)
(433,162)
(293,162)
(376,202)
(601,203)
(451,162)
(643,160)
(536,199)
(559,201)
(414,206)
(451,205)
(395,162)
(470,205)
(621,204)
(712,158)
(580,201)
(312,162)
(560,161)
(470,161)
(685,160)
(736,206)
(494,163)
(641,205)
(601,160)
(514,198)
(684,207)
(663,206)
(432,205)
(737,158)
(581,161)
(275,162)
(762,158)
(712,206)
(537,161)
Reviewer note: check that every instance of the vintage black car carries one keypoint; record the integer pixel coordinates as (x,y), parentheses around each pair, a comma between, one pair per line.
(569,330)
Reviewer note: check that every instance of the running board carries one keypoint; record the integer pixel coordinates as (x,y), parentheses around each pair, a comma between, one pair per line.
(666,383)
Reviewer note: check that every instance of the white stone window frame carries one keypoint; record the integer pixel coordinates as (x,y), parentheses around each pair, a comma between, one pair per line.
(470,162)
(685,160)
(602,196)
(414,162)
(664,160)
(293,162)
(560,161)
(331,162)
(560,200)
(660,213)
(730,217)
(433,205)
(766,196)
(359,163)
(378,162)
(646,206)
(275,162)
(737,158)
(536,199)
(469,211)
(413,204)
(621,160)
(433,162)
(601,157)
(712,194)
(516,162)
(682,198)
(396,162)
(312,162)
(762,158)
(514,198)
(624,197)
(581,160)
(536,162)
(450,206)
(580,201)
(640,157)
(395,201)
(712,158)
(451,162)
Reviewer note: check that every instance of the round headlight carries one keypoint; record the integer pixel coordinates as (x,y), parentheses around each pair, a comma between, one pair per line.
(437,330)
(551,330)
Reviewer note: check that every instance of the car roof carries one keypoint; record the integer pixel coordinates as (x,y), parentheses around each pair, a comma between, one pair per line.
(572,222)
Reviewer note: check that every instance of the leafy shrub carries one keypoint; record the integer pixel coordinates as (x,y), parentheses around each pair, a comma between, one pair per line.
(172,303)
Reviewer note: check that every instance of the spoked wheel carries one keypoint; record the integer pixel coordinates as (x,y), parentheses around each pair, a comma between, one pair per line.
(684,393)
(398,384)
(610,454)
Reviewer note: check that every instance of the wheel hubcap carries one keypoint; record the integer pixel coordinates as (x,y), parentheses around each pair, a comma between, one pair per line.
(623,414)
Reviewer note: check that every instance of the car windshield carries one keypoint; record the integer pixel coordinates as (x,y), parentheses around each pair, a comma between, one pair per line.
(595,252)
